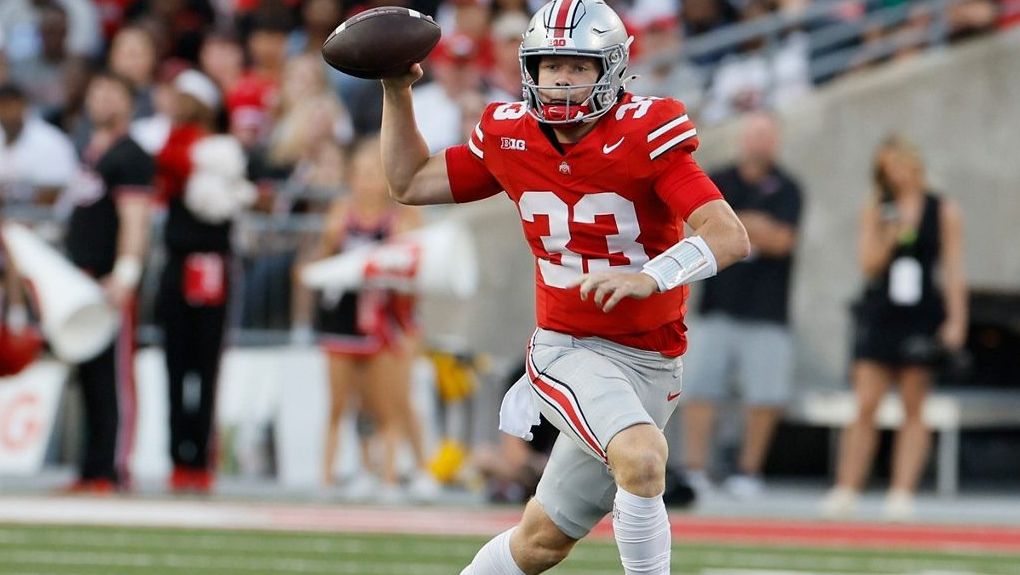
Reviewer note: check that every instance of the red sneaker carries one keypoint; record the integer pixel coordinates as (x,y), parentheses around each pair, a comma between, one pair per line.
(100,486)
(180,479)
(191,480)
(202,481)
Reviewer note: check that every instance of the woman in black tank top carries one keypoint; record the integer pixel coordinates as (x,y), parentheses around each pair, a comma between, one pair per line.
(905,320)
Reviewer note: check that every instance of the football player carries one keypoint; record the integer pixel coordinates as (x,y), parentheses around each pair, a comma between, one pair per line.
(603,181)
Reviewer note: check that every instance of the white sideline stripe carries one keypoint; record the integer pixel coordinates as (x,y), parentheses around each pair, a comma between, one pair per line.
(268,516)
(665,147)
(667,127)
(217,563)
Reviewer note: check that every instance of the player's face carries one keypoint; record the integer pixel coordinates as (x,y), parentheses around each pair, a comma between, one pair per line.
(565,72)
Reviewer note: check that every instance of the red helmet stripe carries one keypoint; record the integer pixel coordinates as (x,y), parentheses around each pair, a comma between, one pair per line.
(563,12)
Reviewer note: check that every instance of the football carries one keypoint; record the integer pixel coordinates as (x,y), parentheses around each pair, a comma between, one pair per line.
(381,43)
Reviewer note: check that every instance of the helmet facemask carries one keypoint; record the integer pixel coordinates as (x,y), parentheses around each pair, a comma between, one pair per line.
(595,31)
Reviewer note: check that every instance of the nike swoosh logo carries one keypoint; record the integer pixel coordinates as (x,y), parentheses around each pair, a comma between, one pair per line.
(606,148)
(672,396)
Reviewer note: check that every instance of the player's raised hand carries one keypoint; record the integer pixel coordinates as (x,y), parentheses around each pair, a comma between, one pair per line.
(413,74)
(608,288)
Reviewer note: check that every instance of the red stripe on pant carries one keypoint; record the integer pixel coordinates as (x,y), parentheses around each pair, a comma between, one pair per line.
(573,419)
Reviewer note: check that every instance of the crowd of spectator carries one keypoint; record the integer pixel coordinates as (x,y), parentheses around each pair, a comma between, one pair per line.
(295,116)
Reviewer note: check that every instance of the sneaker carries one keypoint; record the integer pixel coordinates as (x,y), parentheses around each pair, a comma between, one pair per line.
(361,487)
(195,480)
(700,482)
(423,488)
(839,503)
(100,486)
(387,494)
(899,506)
(744,486)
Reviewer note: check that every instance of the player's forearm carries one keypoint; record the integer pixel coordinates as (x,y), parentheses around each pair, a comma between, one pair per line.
(405,151)
(727,239)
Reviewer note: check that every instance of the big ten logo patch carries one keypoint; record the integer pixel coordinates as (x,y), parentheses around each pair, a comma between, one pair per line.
(512,144)
(20,421)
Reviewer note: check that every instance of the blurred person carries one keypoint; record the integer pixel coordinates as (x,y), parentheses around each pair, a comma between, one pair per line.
(611,270)
(512,467)
(107,238)
(913,311)
(3,59)
(663,70)
(42,74)
(311,118)
(318,20)
(178,25)
(201,177)
(973,17)
(133,56)
(505,75)
(36,159)
(369,336)
(457,70)
(221,57)
(21,19)
(745,324)
(152,132)
(305,150)
(500,7)
(759,77)
(71,118)
(702,17)
(266,48)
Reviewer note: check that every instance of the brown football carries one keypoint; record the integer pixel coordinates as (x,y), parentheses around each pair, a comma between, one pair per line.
(380,43)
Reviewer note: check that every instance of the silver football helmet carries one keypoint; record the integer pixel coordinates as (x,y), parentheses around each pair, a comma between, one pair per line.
(587,28)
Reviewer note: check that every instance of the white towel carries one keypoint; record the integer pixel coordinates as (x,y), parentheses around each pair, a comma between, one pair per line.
(517,413)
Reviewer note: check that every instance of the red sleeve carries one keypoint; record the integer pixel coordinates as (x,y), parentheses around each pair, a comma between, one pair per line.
(684,186)
(672,138)
(469,179)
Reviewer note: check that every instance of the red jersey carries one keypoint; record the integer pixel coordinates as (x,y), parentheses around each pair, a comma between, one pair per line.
(613,200)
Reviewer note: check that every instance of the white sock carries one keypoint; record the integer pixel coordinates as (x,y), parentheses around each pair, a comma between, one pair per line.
(494,558)
(641,527)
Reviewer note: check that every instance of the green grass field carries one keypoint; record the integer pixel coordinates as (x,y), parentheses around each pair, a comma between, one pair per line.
(46,550)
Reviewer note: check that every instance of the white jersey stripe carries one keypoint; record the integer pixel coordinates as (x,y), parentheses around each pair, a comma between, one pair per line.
(478,132)
(475,149)
(670,144)
(667,127)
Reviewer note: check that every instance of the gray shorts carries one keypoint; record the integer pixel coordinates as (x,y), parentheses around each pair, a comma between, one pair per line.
(758,355)
(591,389)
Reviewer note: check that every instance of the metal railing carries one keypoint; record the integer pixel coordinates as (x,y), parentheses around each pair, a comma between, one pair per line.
(836,43)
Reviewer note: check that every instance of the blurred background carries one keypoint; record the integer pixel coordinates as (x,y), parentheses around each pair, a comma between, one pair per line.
(837,77)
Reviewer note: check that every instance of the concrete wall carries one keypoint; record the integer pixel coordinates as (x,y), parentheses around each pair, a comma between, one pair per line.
(962,108)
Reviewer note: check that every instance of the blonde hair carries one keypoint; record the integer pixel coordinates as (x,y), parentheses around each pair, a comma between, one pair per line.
(901,148)
(296,133)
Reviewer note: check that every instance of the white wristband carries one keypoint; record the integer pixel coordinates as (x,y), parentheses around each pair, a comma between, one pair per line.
(127,271)
(687,261)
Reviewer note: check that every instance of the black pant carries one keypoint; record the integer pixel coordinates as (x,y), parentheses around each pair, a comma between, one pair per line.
(107,386)
(193,344)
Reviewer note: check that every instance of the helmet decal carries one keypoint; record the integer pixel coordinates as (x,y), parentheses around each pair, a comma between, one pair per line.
(563,17)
